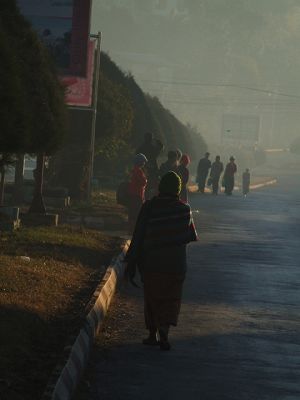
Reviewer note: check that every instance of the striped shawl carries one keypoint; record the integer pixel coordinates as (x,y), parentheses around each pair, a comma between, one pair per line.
(162,222)
(169,222)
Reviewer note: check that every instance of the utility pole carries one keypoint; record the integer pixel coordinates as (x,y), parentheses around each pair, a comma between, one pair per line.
(98,38)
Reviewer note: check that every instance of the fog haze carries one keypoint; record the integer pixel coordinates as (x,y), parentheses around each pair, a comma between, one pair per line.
(204,58)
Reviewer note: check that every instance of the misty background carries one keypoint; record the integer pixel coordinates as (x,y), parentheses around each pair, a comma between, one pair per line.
(206,58)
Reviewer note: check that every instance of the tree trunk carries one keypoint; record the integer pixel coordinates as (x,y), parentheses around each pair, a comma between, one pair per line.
(37,204)
(19,179)
(2,184)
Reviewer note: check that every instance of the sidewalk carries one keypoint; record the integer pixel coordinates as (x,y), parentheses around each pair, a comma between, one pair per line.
(122,367)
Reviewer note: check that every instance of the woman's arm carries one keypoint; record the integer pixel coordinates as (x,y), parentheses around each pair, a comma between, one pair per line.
(137,240)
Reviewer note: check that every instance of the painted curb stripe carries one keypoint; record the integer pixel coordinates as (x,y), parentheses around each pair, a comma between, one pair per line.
(74,365)
(67,380)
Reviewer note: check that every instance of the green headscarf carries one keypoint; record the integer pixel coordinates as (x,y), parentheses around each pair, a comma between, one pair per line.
(170,184)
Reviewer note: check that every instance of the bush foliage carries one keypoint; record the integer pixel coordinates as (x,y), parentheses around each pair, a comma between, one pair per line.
(126,113)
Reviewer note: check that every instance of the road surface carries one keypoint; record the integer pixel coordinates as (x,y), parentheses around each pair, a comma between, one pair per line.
(239,330)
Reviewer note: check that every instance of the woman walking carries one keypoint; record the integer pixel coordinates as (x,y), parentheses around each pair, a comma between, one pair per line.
(158,249)
(136,189)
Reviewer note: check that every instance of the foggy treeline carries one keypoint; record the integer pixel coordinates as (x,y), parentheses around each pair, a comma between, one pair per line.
(198,47)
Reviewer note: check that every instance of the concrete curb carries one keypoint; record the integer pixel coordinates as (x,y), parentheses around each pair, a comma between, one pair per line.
(194,188)
(258,185)
(66,376)
(263,184)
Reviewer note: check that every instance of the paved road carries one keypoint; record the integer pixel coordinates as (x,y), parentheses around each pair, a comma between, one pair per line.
(239,331)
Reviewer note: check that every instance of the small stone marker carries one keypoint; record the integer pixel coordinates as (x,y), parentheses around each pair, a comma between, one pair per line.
(9,218)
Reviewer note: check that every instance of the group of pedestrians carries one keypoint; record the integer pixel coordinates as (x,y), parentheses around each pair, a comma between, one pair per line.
(146,175)
(210,173)
(178,163)
(161,224)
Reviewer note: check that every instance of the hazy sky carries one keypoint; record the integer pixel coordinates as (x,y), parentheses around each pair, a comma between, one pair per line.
(203,58)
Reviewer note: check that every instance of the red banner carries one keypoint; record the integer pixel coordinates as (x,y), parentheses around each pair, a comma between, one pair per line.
(79,90)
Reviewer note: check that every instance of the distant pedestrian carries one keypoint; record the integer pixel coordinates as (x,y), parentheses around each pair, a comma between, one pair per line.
(137,185)
(215,173)
(246,182)
(151,148)
(202,172)
(184,174)
(228,177)
(158,249)
(170,164)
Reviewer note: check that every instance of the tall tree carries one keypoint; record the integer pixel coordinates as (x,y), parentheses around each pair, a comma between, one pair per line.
(39,110)
(13,118)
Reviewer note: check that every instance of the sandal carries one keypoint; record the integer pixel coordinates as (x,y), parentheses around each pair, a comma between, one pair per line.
(151,340)
(163,335)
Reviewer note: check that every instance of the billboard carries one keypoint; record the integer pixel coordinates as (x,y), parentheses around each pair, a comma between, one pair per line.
(241,127)
(64,27)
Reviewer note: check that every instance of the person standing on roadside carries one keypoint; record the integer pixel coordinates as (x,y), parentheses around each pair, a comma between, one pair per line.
(202,172)
(151,148)
(215,173)
(246,182)
(136,189)
(184,174)
(228,177)
(170,164)
(158,249)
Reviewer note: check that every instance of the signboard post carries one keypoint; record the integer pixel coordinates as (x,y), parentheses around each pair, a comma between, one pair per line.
(95,107)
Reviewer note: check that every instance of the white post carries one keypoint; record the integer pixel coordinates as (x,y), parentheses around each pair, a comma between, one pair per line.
(94,116)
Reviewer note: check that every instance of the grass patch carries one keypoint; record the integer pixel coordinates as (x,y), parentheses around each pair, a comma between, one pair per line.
(103,203)
(43,299)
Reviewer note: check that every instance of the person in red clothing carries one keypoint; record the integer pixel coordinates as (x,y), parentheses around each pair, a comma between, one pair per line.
(137,185)
(184,174)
